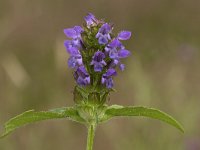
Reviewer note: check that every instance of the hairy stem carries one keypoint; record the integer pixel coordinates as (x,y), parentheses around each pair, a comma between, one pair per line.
(90,137)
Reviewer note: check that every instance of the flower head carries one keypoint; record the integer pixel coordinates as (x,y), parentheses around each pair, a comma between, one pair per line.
(95,53)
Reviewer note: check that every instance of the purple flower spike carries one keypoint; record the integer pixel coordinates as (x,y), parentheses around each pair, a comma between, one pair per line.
(90,19)
(81,76)
(98,62)
(124,35)
(96,48)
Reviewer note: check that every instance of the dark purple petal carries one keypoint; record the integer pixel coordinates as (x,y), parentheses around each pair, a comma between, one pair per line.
(98,67)
(70,32)
(103,40)
(81,76)
(110,72)
(98,56)
(107,77)
(81,71)
(109,83)
(123,53)
(98,62)
(105,29)
(124,35)
(81,81)
(122,67)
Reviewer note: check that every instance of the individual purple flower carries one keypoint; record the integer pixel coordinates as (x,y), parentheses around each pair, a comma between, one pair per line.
(124,35)
(98,61)
(123,53)
(107,78)
(75,58)
(114,44)
(75,61)
(116,55)
(105,29)
(103,39)
(74,32)
(76,43)
(103,34)
(81,76)
(116,51)
(90,19)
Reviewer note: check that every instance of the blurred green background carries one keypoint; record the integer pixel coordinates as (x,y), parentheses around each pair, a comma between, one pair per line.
(163,72)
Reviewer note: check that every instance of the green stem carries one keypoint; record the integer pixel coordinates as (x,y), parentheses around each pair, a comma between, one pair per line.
(90,137)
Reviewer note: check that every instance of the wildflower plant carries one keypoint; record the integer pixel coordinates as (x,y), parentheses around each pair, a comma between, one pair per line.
(96,57)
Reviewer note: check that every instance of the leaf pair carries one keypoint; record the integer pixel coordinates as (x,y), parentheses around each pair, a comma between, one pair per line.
(71,113)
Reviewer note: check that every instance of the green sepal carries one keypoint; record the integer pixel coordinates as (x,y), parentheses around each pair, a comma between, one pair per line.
(31,117)
(121,111)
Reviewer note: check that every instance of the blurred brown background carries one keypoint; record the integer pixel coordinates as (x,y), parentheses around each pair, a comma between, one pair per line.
(163,72)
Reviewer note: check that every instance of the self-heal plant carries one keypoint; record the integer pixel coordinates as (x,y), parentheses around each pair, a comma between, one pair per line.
(96,53)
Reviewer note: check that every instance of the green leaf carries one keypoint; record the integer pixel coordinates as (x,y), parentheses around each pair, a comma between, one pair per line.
(116,110)
(31,116)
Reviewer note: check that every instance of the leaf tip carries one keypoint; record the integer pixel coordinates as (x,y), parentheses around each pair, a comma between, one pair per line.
(181,128)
